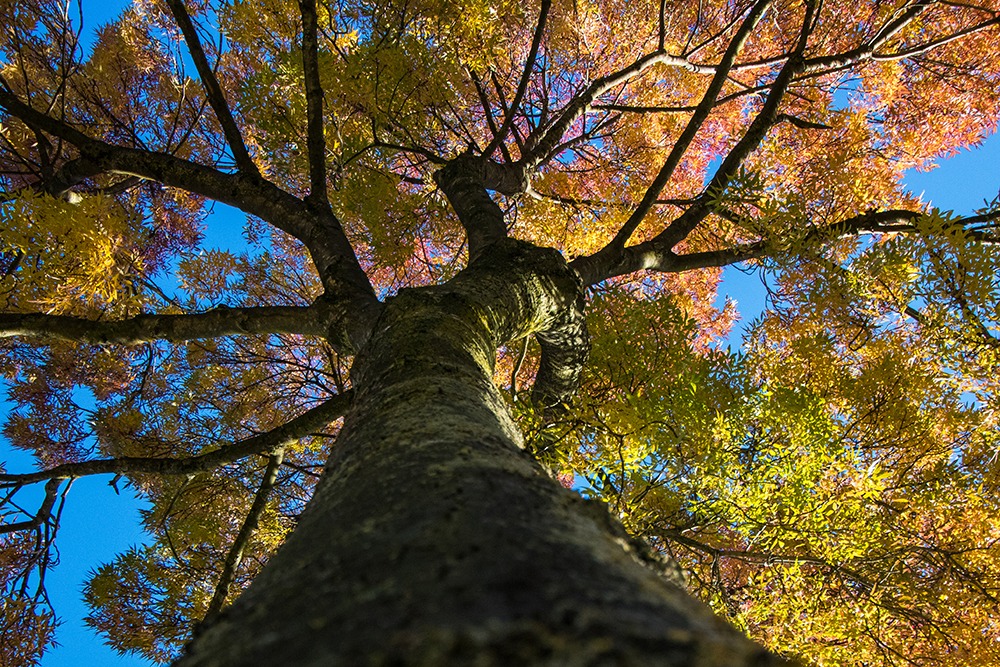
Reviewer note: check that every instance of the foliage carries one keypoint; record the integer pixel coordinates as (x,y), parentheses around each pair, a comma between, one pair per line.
(831,487)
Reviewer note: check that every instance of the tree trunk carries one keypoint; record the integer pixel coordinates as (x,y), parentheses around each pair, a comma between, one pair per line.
(434,539)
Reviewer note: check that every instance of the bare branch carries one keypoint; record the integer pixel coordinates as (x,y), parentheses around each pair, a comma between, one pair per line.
(661,41)
(313,419)
(503,107)
(212,88)
(800,123)
(603,203)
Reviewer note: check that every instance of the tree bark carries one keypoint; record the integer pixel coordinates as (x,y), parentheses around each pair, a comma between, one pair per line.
(434,539)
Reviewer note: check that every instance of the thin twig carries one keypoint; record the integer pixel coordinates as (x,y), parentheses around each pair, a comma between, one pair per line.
(43,513)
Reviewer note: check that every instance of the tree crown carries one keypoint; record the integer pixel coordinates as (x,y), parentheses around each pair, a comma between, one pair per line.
(830,488)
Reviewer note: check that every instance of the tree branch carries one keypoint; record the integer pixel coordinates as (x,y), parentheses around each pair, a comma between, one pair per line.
(464,181)
(541,142)
(933,44)
(522,86)
(213,90)
(893,221)
(644,108)
(249,193)
(865,51)
(613,251)
(43,513)
(811,66)
(235,555)
(801,123)
(315,141)
(266,443)
(603,203)
(307,321)
(320,231)
(484,101)
(762,122)
(564,351)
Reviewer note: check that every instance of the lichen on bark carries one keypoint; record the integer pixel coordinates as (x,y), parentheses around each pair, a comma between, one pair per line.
(435,539)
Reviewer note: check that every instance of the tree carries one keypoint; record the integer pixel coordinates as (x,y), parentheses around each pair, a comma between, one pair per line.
(448,201)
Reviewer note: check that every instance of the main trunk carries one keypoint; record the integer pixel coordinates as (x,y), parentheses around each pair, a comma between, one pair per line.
(434,539)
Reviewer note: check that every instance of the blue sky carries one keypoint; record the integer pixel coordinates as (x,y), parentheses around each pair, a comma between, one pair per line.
(960,184)
(98,523)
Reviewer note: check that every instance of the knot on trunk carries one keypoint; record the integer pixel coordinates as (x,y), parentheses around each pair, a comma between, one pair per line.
(507,179)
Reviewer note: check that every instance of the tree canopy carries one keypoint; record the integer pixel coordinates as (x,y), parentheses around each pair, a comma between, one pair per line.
(831,487)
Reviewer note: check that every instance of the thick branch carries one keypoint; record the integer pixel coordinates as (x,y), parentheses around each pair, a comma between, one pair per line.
(43,513)
(320,231)
(565,346)
(564,352)
(266,443)
(315,141)
(212,88)
(250,194)
(307,321)
(464,183)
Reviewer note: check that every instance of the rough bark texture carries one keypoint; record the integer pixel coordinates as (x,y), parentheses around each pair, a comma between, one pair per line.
(435,540)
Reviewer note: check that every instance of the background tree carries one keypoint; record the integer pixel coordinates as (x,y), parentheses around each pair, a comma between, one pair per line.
(416,176)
